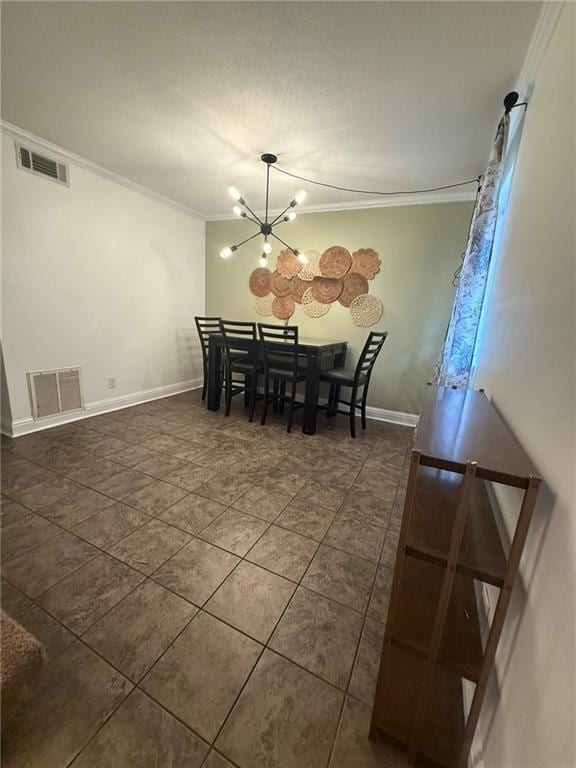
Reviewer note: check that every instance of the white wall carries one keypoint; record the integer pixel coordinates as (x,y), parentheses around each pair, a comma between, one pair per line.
(96,275)
(526,364)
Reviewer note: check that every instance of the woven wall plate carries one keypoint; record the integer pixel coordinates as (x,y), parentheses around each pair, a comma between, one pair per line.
(264,305)
(297,288)
(366,262)
(287,264)
(354,285)
(335,261)
(366,310)
(283,307)
(312,307)
(261,281)
(280,286)
(310,270)
(326,289)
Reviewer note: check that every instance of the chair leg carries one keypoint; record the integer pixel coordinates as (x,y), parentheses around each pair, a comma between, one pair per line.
(353,412)
(228,391)
(291,406)
(205,382)
(246,390)
(254,392)
(282,396)
(336,401)
(364,399)
(266,401)
(330,401)
(275,401)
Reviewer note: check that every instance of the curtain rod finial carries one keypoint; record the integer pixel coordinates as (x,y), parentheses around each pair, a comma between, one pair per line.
(510,100)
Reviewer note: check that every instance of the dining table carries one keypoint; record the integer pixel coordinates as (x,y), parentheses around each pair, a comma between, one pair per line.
(317,355)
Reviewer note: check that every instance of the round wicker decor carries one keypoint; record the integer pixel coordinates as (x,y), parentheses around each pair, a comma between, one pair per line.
(326,289)
(297,288)
(354,285)
(261,281)
(287,264)
(335,261)
(366,310)
(312,307)
(280,286)
(283,307)
(264,305)
(312,268)
(366,262)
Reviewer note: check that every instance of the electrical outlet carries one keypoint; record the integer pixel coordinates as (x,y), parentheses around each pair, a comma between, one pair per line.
(111,382)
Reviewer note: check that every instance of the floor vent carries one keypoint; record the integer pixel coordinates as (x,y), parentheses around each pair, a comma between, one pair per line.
(55,392)
(33,162)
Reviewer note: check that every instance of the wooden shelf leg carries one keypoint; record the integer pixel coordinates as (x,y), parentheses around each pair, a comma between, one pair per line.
(512,566)
(380,696)
(442,609)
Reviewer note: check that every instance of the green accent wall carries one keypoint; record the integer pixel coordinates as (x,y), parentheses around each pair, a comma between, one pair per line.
(420,248)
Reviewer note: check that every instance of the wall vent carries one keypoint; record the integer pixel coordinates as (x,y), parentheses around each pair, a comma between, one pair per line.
(33,162)
(55,392)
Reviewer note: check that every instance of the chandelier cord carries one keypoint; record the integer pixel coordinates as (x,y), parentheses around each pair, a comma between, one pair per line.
(374,192)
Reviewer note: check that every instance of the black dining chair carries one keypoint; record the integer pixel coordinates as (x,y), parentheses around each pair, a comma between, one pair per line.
(356,379)
(241,357)
(281,367)
(206,326)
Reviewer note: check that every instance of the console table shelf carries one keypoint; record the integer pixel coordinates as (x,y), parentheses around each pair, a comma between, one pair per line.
(436,499)
(449,544)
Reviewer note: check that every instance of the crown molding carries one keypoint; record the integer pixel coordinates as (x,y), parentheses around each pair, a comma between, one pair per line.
(543,31)
(393,201)
(87,165)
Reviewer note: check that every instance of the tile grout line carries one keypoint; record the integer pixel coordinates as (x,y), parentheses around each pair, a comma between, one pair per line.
(298,584)
(372,589)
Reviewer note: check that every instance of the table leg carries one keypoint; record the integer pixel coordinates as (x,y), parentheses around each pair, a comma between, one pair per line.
(214,383)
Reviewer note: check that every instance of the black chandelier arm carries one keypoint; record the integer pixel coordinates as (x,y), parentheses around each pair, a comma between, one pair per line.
(247,240)
(280,215)
(254,221)
(294,250)
(256,217)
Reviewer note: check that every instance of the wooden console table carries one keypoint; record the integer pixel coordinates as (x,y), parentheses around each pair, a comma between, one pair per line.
(449,544)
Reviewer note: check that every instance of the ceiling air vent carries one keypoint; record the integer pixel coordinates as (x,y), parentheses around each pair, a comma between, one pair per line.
(55,392)
(29,160)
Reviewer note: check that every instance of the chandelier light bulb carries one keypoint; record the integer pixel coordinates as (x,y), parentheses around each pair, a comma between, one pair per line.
(225,253)
(267,248)
(234,194)
(263,260)
(302,258)
(300,196)
(237,210)
(290,216)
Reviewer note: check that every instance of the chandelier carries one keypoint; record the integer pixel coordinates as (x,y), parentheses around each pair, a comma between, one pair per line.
(265,228)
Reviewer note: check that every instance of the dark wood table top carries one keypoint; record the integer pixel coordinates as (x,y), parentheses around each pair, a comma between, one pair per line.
(305,342)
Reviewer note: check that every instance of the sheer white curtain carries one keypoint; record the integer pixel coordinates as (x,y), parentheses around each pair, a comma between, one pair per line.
(454,367)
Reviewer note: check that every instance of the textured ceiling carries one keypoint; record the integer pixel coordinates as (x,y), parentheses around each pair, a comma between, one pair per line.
(183,97)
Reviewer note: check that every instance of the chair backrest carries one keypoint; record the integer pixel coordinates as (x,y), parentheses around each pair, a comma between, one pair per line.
(374,344)
(239,338)
(279,346)
(206,327)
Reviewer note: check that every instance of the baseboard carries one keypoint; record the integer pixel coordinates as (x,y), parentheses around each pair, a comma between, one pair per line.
(25,426)
(394,417)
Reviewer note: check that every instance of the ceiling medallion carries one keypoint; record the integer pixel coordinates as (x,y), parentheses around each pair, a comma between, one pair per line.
(266,228)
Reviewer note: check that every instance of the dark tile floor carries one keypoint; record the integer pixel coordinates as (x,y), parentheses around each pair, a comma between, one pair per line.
(209,592)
